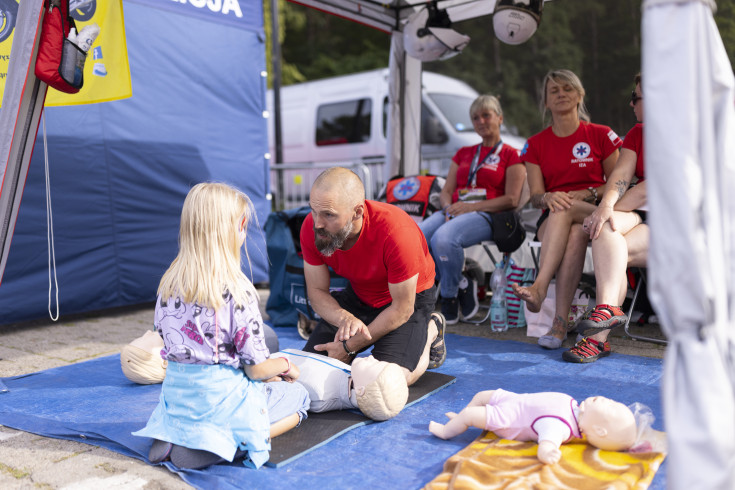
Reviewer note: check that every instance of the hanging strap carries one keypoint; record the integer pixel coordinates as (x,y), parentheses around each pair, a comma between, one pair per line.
(50,230)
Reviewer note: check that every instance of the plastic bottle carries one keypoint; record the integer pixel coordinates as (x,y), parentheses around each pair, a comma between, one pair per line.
(87,36)
(498,308)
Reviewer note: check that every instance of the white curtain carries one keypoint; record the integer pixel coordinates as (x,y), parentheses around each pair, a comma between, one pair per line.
(689,97)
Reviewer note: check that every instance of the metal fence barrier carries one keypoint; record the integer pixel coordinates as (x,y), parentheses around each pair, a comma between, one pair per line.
(291,182)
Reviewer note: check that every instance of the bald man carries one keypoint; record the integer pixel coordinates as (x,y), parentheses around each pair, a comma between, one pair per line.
(379,249)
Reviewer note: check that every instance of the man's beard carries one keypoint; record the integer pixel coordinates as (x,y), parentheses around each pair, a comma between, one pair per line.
(328,243)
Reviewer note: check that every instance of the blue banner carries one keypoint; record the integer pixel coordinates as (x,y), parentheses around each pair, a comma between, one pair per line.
(244,14)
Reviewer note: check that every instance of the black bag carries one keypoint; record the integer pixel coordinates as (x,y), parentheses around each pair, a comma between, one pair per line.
(508,231)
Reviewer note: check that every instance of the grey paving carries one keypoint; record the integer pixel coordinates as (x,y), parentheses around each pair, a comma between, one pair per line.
(28,461)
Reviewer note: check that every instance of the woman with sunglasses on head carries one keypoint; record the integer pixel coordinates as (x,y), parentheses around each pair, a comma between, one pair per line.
(619,236)
(567,165)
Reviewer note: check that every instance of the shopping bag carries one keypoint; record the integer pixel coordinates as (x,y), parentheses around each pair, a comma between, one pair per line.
(516,306)
(540,323)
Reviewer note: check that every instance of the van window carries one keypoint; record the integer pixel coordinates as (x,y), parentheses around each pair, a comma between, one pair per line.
(456,108)
(432,132)
(343,122)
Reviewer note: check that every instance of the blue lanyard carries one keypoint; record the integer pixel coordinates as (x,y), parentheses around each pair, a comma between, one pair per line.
(476,165)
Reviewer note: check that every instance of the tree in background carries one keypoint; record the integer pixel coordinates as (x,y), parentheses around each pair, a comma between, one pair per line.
(600,41)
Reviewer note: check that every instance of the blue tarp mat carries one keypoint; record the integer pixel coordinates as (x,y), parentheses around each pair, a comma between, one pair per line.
(93,402)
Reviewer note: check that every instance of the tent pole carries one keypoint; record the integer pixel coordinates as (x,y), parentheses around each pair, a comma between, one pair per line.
(276,62)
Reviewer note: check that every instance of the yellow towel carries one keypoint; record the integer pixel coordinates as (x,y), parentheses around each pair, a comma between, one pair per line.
(490,462)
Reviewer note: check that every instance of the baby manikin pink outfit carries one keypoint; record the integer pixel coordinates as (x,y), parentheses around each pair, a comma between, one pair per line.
(513,416)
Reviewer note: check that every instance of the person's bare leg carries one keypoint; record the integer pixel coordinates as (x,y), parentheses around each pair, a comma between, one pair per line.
(413,376)
(638,240)
(611,256)
(554,235)
(567,279)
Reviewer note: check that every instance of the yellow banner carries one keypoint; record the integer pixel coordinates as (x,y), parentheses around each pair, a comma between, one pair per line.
(106,70)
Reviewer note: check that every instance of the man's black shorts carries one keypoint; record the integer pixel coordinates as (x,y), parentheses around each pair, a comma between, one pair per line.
(402,346)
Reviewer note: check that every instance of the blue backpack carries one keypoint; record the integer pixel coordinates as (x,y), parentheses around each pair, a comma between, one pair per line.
(288,295)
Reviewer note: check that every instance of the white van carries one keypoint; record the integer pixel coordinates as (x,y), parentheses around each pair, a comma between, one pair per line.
(343,120)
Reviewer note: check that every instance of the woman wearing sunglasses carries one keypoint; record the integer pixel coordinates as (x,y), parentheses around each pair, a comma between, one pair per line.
(619,236)
(567,165)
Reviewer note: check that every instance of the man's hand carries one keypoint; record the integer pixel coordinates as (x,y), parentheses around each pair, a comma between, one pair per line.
(350,327)
(335,350)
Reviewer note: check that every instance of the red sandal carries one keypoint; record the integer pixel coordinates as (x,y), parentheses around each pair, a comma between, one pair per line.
(602,317)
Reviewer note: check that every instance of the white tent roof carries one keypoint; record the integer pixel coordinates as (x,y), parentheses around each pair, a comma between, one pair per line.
(388,15)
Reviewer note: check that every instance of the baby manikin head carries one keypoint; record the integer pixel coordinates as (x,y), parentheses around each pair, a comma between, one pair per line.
(380,387)
(607,424)
(141,360)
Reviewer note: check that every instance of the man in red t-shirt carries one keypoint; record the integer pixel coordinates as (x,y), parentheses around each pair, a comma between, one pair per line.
(390,299)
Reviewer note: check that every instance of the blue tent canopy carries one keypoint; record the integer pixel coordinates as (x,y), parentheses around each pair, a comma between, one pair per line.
(120,170)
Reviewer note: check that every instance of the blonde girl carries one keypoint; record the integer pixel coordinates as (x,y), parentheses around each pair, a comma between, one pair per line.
(214,404)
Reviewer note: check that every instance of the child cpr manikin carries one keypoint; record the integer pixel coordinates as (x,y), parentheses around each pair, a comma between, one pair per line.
(377,388)
(141,359)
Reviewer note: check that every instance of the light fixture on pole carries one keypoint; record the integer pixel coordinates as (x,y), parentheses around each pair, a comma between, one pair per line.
(515,21)
(428,35)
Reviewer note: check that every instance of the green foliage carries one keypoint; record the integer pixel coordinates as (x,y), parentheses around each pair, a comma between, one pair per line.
(286,17)
(322,45)
(600,41)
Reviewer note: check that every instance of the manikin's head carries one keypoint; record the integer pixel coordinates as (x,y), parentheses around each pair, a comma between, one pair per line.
(141,360)
(607,424)
(380,387)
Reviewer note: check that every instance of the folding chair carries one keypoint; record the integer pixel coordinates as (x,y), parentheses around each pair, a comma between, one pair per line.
(486,245)
(641,282)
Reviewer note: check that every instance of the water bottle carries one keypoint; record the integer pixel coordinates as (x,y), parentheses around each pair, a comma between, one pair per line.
(498,309)
(87,36)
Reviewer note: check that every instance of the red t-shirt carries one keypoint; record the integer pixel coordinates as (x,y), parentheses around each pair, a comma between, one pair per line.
(634,141)
(491,174)
(391,249)
(575,161)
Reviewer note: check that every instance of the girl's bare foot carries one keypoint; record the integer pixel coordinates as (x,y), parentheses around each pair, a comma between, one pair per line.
(530,295)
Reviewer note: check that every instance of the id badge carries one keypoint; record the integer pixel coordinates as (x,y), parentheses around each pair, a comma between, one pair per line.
(472,194)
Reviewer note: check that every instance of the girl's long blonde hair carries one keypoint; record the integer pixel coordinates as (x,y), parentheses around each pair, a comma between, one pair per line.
(208,262)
